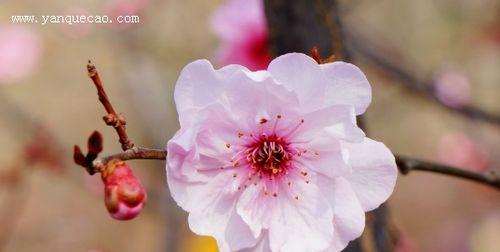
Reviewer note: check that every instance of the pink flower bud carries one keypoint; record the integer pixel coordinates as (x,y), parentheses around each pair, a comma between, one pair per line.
(124,194)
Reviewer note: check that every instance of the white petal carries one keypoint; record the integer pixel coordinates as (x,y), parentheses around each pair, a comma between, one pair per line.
(346,84)
(196,196)
(331,163)
(199,85)
(349,217)
(261,246)
(301,74)
(374,172)
(238,234)
(258,97)
(338,121)
(212,211)
(253,209)
(201,146)
(301,225)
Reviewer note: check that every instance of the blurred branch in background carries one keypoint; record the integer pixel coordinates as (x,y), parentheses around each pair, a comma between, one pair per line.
(406,165)
(377,56)
(41,148)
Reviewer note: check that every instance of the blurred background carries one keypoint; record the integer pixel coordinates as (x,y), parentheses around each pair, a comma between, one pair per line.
(48,104)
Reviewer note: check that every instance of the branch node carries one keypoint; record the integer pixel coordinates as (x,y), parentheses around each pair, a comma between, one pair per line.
(114,119)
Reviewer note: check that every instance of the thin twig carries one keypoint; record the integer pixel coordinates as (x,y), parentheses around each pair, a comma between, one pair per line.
(425,87)
(406,164)
(113,118)
(132,153)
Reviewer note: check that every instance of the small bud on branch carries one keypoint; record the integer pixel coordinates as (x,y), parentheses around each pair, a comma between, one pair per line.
(124,194)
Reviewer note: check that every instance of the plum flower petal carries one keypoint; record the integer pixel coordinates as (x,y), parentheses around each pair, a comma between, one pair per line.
(373,170)
(261,246)
(349,220)
(347,85)
(273,160)
(293,70)
(200,85)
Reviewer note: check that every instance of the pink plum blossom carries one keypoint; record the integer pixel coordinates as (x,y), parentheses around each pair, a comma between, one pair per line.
(273,160)
(123,193)
(458,149)
(20,50)
(452,87)
(241,27)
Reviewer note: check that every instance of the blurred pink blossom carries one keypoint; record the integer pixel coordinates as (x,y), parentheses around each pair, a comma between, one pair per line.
(458,149)
(20,50)
(452,87)
(115,8)
(241,27)
(274,160)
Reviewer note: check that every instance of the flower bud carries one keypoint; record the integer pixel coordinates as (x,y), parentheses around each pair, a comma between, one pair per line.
(124,194)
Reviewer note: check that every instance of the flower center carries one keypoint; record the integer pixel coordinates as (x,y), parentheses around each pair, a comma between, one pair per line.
(269,155)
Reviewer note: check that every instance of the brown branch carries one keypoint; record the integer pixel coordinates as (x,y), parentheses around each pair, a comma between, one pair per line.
(114,119)
(378,59)
(97,164)
(132,153)
(406,164)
